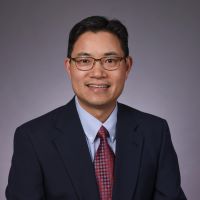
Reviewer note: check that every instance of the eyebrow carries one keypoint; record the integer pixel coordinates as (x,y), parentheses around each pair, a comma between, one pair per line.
(110,53)
(83,54)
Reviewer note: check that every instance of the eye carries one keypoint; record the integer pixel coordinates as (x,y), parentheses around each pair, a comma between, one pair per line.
(83,61)
(110,60)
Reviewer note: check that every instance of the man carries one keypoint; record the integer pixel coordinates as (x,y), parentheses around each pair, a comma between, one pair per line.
(93,147)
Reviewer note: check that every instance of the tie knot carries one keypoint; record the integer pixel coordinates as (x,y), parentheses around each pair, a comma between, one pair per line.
(103,133)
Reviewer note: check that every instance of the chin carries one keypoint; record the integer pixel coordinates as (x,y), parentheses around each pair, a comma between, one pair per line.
(101,103)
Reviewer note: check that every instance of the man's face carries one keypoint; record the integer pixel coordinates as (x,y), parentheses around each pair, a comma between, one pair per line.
(98,88)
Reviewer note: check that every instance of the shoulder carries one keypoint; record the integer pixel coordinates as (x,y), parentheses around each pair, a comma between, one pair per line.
(138,115)
(148,124)
(152,128)
(46,119)
(44,124)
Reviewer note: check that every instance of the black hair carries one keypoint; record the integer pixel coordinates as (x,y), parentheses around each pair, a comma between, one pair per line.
(96,24)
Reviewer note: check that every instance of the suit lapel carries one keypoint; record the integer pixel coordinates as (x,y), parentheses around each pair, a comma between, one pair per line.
(74,152)
(72,148)
(129,144)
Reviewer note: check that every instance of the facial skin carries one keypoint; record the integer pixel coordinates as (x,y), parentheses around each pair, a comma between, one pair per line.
(98,89)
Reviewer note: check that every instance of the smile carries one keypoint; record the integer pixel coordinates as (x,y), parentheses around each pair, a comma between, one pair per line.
(98,85)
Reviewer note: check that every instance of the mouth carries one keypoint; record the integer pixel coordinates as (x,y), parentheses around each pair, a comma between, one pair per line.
(92,85)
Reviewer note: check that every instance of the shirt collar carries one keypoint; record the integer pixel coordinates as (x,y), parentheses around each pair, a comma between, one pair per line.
(91,125)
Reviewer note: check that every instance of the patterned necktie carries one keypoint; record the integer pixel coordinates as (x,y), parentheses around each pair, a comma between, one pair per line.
(104,166)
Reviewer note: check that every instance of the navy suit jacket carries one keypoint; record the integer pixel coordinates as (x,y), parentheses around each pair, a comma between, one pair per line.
(51,159)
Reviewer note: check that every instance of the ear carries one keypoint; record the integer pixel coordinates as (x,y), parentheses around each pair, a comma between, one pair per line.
(68,66)
(129,63)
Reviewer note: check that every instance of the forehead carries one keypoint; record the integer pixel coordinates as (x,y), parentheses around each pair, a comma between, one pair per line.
(97,43)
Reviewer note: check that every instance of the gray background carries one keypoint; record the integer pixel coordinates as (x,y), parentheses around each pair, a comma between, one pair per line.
(164,41)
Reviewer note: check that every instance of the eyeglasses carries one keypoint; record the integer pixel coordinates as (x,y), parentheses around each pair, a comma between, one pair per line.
(87,63)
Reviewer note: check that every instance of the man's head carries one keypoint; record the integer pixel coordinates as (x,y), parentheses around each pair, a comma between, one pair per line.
(96,24)
(98,63)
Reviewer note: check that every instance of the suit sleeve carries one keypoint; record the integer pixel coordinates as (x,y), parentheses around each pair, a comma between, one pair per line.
(168,177)
(25,177)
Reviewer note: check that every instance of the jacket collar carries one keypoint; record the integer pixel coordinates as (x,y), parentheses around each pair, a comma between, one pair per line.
(72,147)
(129,143)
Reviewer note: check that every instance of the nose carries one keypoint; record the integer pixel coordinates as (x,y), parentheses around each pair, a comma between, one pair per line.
(97,70)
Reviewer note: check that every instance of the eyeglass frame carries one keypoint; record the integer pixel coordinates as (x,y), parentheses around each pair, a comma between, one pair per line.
(99,60)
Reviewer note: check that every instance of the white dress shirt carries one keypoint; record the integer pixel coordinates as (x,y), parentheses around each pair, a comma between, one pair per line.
(91,126)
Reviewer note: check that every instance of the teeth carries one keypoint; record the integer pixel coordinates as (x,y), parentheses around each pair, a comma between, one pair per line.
(98,86)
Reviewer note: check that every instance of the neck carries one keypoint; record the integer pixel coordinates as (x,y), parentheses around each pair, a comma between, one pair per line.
(100,112)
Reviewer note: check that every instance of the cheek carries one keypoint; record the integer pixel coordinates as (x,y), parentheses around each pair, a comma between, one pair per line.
(119,79)
(77,79)
(118,84)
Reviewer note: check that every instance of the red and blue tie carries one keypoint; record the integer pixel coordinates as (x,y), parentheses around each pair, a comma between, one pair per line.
(104,166)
